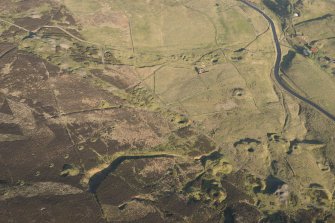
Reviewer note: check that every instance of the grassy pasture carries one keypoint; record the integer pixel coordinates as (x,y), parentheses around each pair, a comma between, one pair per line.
(179,32)
(317,30)
(317,84)
(328,46)
(162,25)
(313,9)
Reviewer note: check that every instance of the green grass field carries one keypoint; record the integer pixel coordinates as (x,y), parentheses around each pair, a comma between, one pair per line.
(318,85)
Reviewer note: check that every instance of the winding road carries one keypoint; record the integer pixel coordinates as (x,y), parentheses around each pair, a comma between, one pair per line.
(279,80)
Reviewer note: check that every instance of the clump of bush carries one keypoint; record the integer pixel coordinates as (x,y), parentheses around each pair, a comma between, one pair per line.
(287,60)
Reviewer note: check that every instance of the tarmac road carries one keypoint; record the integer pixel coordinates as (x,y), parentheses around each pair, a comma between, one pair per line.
(279,80)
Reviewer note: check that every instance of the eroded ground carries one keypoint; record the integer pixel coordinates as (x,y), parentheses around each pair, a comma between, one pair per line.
(161,111)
